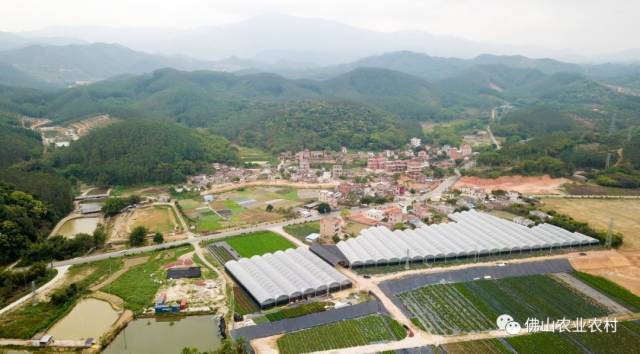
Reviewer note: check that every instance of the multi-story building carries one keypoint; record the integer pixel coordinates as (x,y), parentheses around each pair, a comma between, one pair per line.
(336,171)
(395,166)
(330,226)
(376,163)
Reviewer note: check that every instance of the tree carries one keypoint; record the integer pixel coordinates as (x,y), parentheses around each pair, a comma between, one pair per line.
(269,208)
(158,238)
(324,208)
(99,236)
(344,213)
(136,238)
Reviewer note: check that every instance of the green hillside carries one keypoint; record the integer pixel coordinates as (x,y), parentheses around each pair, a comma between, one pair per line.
(137,151)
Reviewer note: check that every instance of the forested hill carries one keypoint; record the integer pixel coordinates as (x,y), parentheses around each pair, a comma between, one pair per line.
(318,125)
(18,144)
(137,151)
(21,165)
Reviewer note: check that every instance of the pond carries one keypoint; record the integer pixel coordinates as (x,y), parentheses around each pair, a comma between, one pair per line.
(167,335)
(80,225)
(90,318)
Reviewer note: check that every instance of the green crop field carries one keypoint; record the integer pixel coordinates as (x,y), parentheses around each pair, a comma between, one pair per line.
(489,346)
(221,255)
(614,291)
(297,311)
(347,333)
(138,286)
(474,306)
(301,231)
(445,310)
(208,221)
(258,243)
(625,340)
(243,304)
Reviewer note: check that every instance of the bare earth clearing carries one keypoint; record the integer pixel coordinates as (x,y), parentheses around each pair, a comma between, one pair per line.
(522,184)
(622,267)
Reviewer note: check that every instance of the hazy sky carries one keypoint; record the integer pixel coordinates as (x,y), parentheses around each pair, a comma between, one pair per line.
(581,26)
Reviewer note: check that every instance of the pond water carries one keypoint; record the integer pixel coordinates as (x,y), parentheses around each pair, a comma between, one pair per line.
(80,225)
(167,336)
(90,318)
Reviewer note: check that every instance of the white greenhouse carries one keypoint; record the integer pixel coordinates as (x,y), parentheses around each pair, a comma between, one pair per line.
(472,234)
(283,276)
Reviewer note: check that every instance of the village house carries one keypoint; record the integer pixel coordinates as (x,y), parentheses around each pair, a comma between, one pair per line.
(395,166)
(330,226)
(336,171)
(376,163)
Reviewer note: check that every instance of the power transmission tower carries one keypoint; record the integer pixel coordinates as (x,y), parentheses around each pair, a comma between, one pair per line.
(613,124)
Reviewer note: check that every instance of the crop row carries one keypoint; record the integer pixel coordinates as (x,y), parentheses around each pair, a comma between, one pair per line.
(347,333)
(474,306)
(442,309)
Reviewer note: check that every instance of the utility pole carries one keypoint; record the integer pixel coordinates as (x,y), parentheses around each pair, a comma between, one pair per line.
(406,264)
(608,162)
(609,233)
(613,124)
(33,292)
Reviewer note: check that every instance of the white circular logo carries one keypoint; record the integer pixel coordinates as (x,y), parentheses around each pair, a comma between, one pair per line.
(513,328)
(502,321)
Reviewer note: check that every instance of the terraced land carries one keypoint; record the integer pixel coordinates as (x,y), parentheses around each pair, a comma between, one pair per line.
(474,306)
(348,333)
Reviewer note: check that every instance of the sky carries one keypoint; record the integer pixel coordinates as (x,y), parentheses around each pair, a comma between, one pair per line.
(580,26)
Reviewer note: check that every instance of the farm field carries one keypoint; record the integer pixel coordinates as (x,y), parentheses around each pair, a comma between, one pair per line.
(243,304)
(597,213)
(253,155)
(443,309)
(258,243)
(155,218)
(625,340)
(489,346)
(474,306)
(594,189)
(138,285)
(242,206)
(292,312)
(300,231)
(347,333)
(221,255)
(612,290)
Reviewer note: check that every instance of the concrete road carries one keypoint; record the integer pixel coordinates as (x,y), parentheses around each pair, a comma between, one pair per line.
(62,270)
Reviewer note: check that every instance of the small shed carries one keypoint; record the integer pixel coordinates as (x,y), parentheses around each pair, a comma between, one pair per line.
(90,208)
(184,272)
(208,198)
(312,237)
